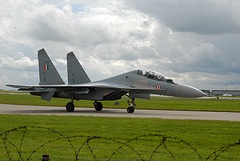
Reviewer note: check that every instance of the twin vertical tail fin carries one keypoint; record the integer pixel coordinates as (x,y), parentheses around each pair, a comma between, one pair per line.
(47,72)
(76,73)
(49,75)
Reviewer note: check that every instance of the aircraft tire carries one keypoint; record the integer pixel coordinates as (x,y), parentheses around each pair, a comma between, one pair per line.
(98,106)
(70,107)
(130,109)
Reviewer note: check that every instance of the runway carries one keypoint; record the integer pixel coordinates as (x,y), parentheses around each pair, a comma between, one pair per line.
(163,114)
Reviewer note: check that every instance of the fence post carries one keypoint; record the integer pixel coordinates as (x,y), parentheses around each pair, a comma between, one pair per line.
(45,157)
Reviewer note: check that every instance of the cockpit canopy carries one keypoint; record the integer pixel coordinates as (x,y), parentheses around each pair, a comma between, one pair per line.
(155,75)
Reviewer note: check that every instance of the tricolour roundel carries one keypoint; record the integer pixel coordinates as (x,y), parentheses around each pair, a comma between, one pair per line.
(158,87)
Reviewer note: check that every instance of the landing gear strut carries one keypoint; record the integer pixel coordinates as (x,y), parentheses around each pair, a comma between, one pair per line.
(131,104)
(98,106)
(70,107)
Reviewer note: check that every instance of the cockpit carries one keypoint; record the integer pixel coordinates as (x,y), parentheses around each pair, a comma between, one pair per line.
(154,75)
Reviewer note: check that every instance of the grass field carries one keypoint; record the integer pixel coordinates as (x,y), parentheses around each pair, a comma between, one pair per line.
(157,103)
(205,136)
(113,133)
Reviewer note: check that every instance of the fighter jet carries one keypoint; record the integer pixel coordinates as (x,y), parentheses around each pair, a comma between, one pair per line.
(134,84)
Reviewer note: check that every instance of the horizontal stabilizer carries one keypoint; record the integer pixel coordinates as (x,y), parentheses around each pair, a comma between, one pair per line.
(22,88)
(76,73)
(18,86)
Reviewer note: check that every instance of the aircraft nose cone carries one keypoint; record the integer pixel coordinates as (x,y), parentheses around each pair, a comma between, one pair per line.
(188,91)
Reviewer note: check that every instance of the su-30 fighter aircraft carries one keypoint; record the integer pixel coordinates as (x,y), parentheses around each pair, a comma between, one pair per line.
(133,84)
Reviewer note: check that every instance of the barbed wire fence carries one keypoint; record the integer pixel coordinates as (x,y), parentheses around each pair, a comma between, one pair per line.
(13,146)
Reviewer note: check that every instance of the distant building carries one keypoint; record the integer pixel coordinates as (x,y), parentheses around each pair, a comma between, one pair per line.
(226,92)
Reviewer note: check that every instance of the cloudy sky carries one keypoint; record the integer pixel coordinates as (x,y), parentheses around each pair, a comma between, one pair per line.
(193,42)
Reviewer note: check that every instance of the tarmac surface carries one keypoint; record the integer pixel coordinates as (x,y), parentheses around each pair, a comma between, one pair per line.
(164,114)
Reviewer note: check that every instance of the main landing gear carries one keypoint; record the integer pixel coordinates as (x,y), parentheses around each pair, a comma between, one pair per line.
(70,107)
(131,104)
(98,106)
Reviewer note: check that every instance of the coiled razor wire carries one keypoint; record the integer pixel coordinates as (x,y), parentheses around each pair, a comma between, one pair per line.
(162,143)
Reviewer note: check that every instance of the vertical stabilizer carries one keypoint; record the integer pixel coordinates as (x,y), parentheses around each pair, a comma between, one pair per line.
(76,73)
(48,74)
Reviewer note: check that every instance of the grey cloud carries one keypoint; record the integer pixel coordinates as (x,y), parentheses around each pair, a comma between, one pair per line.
(51,24)
(166,36)
(203,17)
(201,58)
(20,62)
(205,34)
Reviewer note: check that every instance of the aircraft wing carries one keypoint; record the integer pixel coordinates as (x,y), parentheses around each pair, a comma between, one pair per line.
(113,90)
(85,85)
(101,85)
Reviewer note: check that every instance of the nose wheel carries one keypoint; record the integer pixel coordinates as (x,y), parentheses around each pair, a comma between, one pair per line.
(98,106)
(130,109)
(132,105)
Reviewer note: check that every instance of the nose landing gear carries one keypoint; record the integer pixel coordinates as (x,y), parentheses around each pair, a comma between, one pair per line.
(131,104)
